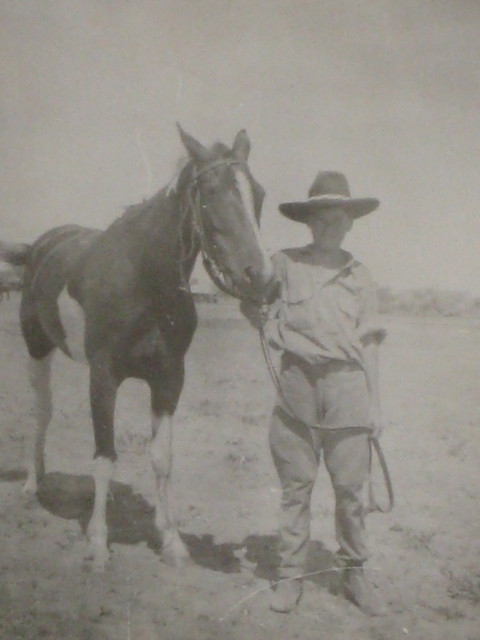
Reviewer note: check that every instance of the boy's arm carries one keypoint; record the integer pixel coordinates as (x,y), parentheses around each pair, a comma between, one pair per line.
(266,316)
(370,363)
(271,326)
(371,333)
(370,326)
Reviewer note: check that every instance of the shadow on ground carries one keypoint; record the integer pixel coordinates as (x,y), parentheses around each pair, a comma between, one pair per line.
(12,475)
(131,521)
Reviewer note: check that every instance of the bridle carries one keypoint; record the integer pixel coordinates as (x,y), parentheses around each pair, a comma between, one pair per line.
(212,267)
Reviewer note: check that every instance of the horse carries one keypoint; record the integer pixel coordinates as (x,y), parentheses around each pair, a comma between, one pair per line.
(118,300)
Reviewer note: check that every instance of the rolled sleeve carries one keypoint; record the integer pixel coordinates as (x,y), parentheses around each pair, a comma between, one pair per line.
(370,325)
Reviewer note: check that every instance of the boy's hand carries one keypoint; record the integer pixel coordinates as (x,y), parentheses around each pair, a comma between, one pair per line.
(372,335)
(256,314)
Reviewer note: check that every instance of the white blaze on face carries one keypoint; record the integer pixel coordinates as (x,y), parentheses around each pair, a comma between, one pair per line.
(73,323)
(246,195)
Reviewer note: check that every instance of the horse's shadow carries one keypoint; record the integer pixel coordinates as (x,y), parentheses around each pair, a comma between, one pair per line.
(130,520)
(12,475)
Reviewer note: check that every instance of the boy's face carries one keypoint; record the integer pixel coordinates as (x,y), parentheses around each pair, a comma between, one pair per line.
(329,226)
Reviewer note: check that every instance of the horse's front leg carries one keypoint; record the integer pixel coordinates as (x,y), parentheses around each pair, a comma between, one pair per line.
(103,393)
(174,551)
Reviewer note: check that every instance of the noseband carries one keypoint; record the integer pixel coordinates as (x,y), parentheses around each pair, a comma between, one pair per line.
(212,267)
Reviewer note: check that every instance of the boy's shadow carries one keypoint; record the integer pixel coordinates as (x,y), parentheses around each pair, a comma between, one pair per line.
(130,520)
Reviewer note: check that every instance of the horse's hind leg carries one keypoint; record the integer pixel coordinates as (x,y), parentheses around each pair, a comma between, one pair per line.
(174,551)
(103,392)
(39,376)
(40,350)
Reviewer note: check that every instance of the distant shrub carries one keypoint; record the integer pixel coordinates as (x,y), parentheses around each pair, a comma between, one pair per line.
(11,279)
(211,298)
(428,302)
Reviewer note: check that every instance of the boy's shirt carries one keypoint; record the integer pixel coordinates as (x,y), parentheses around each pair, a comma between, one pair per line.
(321,314)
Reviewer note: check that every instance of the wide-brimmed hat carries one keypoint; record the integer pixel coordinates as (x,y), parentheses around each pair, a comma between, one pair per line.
(329,189)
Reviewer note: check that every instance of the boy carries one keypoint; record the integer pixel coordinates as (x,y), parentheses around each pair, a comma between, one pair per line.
(324,321)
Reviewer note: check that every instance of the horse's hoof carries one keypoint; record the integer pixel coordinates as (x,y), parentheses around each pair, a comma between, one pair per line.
(30,488)
(99,566)
(98,558)
(176,561)
(174,552)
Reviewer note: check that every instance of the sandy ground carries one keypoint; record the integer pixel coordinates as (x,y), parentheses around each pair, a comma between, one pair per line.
(425,554)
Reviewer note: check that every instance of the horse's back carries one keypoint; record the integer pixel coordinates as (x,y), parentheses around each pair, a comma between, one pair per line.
(53,255)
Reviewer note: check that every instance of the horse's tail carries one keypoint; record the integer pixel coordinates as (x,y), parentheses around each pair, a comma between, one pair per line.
(14,254)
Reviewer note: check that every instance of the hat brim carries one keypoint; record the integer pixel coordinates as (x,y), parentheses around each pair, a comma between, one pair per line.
(355,207)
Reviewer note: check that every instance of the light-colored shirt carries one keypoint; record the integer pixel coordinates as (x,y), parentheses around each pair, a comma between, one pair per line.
(321,314)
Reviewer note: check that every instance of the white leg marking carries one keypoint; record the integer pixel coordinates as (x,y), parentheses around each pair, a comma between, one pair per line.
(73,323)
(247,198)
(173,550)
(97,527)
(39,376)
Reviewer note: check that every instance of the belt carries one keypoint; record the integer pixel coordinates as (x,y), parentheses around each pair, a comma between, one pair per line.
(324,365)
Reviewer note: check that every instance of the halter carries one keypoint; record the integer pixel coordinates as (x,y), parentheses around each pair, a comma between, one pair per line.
(212,267)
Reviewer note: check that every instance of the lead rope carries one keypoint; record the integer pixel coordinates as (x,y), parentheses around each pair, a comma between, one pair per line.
(374,444)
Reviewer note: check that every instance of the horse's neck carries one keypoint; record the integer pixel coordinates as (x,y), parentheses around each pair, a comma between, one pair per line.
(166,237)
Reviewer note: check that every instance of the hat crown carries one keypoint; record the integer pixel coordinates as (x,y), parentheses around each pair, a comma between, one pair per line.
(328,183)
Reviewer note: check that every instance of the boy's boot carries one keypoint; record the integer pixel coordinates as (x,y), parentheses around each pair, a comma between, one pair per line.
(359,591)
(286,595)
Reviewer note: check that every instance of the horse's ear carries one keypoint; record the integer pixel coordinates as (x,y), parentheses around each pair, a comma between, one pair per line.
(241,146)
(196,150)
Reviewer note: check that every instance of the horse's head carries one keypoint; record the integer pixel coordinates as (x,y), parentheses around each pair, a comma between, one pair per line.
(227,203)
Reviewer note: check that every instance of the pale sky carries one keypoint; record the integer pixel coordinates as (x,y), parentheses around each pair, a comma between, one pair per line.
(386,91)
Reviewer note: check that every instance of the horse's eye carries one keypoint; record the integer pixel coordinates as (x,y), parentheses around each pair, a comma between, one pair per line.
(210,189)
(215,227)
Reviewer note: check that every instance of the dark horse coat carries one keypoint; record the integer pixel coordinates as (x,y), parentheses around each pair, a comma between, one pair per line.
(119,300)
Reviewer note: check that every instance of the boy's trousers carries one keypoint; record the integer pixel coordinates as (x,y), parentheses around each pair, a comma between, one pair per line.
(296,452)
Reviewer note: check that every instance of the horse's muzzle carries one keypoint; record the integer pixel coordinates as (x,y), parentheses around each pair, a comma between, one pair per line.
(260,286)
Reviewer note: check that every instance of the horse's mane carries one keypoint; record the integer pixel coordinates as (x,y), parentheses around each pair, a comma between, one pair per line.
(132,211)
(180,166)
(176,182)
(220,150)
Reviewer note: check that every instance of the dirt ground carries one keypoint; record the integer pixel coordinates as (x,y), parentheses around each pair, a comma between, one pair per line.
(425,554)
